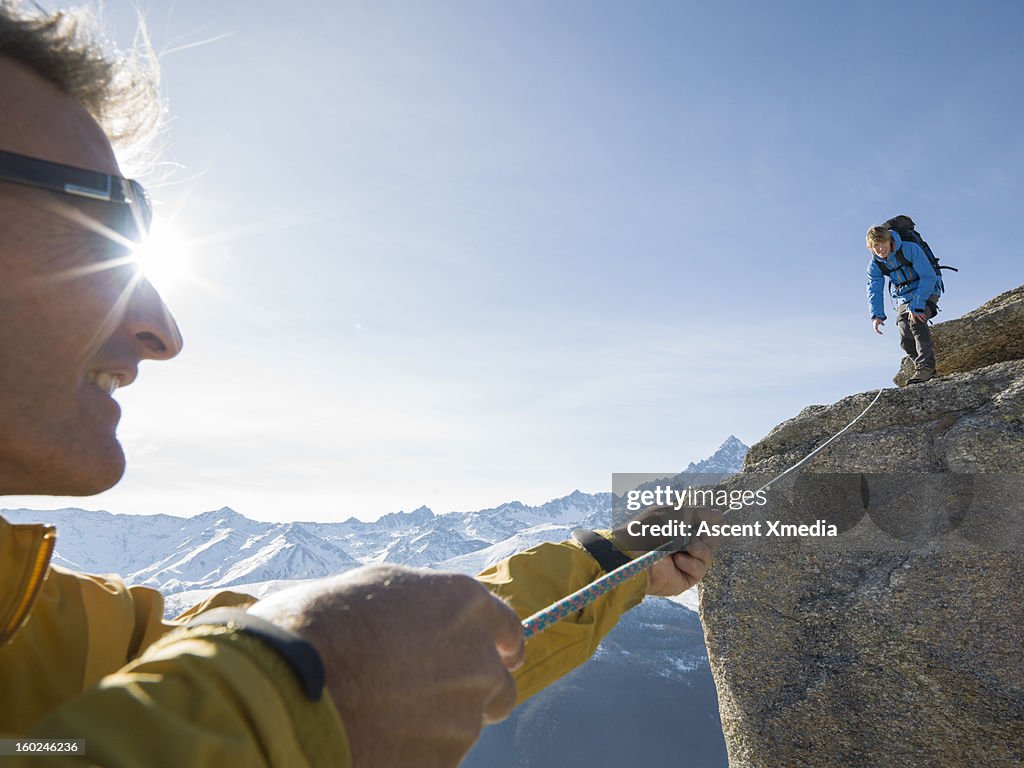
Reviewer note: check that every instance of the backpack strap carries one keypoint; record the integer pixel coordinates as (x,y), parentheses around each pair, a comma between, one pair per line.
(887,270)
(906,266)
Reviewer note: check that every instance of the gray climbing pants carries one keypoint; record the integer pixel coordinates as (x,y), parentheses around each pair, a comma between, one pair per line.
(916,336)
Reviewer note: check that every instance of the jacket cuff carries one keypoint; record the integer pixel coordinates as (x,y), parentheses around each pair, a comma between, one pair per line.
(532,580)
(299,654)
(602,549)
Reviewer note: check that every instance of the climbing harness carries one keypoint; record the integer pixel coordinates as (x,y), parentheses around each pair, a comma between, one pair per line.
(581,598)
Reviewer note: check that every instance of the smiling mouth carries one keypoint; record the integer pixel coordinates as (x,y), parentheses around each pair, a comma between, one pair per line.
(108,382)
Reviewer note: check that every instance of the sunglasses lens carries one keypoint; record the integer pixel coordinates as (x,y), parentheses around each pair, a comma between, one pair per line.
(142,209)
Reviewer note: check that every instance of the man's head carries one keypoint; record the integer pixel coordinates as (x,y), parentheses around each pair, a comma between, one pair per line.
(76,318)
(879,241)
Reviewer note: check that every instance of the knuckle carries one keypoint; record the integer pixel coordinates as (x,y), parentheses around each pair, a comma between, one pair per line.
(467,590)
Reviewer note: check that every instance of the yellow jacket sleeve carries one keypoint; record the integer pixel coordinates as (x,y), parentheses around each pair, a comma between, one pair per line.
(202,696)
(536,578)
(81,627)
(87,657)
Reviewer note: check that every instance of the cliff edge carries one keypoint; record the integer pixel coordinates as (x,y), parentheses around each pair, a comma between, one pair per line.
(901,641)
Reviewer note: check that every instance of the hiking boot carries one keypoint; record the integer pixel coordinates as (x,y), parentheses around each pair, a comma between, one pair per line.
(921,375)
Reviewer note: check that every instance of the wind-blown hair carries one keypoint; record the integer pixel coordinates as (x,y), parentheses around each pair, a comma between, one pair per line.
(118,88)
(878,236)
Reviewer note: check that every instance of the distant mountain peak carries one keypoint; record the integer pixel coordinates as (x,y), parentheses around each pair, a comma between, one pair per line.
(419,516)
(728,458)
(226,512)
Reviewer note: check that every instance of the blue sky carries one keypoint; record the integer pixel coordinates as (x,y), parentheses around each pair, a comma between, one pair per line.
(458,253)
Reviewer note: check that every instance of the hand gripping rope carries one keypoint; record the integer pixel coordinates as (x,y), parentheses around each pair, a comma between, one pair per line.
(581,598)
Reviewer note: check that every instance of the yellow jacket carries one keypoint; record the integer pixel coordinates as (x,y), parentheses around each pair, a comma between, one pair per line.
(87,657)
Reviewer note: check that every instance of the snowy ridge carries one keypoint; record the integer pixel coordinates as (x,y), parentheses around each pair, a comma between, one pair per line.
(190,558)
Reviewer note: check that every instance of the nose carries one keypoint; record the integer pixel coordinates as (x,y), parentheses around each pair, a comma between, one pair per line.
(151,324)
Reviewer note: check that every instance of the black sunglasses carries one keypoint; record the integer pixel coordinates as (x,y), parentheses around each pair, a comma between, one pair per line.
(128,194)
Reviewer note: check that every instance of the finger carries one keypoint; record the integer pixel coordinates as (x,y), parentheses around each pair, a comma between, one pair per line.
(508,635)
(702,550)
(502,701)
(664,579)
(694,515)
(694,568)
(712,517)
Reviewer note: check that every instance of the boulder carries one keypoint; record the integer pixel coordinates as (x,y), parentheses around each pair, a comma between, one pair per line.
(992,333)
(899,642)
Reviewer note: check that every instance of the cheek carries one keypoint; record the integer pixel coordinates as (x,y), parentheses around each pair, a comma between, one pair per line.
(73,314)
(58,306)
(40,379)
(57,432)
(47,339)
(50,331)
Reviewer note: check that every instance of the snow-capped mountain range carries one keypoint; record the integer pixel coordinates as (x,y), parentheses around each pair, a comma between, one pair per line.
(187,558)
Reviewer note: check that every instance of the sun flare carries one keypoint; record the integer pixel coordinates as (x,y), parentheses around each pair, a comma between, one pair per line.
(163,256)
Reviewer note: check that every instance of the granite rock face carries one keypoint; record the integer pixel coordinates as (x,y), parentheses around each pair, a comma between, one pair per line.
(900,642)
(992,333)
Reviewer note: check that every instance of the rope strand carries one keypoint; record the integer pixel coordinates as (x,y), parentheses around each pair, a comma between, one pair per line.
(581,598)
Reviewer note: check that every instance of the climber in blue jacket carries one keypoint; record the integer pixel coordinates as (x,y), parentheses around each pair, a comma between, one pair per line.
(915,287)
